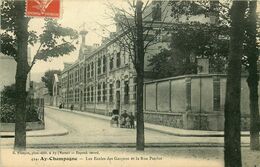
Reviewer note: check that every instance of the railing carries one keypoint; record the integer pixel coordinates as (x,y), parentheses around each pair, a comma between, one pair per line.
(38,104)
(34,109)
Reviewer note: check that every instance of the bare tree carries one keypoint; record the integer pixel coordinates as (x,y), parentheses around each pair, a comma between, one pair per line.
(136,35)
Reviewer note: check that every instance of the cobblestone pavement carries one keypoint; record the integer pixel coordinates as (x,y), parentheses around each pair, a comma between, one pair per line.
(87,131)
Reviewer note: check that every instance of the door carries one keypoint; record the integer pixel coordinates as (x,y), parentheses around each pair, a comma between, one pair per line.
(81,100)
(118,100)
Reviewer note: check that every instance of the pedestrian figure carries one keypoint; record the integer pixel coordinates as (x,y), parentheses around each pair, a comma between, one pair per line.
(132,120)
(114,120)
(123,119)
(71,107)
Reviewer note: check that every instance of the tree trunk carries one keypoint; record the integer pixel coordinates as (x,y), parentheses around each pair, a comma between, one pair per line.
(232,150)
(140,77)
(252,80)
(21,76)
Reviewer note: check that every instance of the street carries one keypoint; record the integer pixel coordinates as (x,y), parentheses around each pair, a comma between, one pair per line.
(85,131)
(94,138)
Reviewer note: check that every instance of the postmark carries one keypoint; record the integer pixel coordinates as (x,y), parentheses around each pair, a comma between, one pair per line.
(43,8)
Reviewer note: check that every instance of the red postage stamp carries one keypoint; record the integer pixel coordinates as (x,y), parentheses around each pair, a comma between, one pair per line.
(43,8)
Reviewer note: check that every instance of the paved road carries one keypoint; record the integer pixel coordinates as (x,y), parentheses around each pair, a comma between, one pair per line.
(87,131)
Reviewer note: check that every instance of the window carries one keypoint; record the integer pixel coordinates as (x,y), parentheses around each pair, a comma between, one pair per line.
(157,12)
(71,96)
(70,83)
(104,92)
(88,71)
(76,76)
(88,94)
(135,88)
(66,97)
(92,94)
(99,92)
(99,65)
(111,63)
(126,91)
(104,64)
(76,96)
(117,84)
(85,73)
(111,92)
(85,95)
(118,60)
(92,69)
(80,74)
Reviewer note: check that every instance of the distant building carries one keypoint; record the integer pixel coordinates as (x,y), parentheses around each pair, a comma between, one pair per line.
(56,91)
(40,91)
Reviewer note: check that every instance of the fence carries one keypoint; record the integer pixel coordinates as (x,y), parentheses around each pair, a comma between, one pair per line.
(37,104)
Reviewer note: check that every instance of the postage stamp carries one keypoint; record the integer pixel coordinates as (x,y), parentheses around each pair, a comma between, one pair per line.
(43,8)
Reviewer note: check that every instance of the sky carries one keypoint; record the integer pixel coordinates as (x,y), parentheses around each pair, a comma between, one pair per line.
(94,13)
(74,13)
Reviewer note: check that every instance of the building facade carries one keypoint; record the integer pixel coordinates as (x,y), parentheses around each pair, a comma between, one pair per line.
(56,91)
(104,77)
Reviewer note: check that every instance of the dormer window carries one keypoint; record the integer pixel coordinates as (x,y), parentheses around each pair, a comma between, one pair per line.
(157,12)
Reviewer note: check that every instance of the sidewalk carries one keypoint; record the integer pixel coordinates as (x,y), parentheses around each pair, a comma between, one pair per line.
(160,128)
(51,129)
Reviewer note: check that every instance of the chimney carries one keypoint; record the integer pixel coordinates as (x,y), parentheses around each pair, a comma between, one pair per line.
(203,65)
(96,45)
(83,34)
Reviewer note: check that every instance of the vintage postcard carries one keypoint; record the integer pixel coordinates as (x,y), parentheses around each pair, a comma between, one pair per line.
(119,83)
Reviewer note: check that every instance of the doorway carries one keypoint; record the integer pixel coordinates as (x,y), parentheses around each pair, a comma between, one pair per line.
(81,101)
(118,100)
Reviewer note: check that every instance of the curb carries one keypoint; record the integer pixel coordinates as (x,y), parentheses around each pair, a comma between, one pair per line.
(38,133)
(152,126)
(65,132)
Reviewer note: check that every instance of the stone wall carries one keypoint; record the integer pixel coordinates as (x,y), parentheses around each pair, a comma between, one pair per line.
(10,127)
(173,120)
(191,102)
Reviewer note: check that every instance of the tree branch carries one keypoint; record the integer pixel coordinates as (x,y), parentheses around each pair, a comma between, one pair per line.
(34,58)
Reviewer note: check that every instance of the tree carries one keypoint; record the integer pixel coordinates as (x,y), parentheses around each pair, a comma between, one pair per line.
(251,52)
(48,79)
(188,41)
(135,35)
(249,58)
(8,95)
(53,42)
(140,76)
(232,149)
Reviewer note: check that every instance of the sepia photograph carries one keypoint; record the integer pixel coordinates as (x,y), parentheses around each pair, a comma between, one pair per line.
(129,83)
